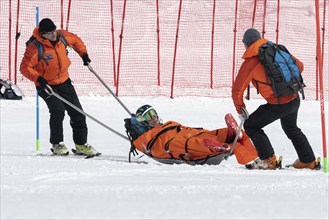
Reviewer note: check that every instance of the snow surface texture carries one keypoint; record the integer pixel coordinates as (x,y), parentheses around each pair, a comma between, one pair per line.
(40,186)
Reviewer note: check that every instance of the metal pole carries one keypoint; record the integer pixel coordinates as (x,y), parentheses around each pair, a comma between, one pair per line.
(246,116)
(108,88)
(50,91)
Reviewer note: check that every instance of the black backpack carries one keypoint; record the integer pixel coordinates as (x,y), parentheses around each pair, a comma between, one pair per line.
(131,131)
(282,73)
(133,134)
(40,46)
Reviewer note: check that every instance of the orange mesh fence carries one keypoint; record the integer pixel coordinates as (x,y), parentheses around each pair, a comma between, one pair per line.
(164,47)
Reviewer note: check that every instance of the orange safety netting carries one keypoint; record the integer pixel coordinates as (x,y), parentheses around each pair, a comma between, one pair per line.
(165,47)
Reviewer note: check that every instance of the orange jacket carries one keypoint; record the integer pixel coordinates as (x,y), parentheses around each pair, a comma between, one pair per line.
(252,70)
(55,63)
(172,139)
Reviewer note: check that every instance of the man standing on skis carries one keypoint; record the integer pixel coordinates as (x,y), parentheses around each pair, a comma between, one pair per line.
(285,109)
(52,70)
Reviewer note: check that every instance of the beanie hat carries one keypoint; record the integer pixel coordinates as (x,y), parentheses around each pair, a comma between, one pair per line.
(46,25)
(250,36)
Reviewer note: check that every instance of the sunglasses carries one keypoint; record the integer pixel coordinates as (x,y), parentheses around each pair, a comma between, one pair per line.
(50,32)
(150,115)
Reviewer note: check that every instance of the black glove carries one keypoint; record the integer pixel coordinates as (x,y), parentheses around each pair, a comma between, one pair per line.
(245,115)
(42,82)
(86,59)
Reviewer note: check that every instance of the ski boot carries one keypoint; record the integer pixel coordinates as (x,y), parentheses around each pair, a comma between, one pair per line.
(86,150)
(216,146)
(269,164)
(315,165)
(59,149)
(232,127)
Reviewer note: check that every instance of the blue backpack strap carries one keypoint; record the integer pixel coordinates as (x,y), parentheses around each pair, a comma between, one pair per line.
(39,47)
(37,44)
(63,39)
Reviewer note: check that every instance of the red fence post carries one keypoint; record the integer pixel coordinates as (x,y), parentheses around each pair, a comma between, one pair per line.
(254,14)
(113,45)
(212,44)
(62,13)
(68,15)
(158,39)
(264,20)
(120,47)
(277,22)
(16,42)
(234,40)
(9,43)
(176,41)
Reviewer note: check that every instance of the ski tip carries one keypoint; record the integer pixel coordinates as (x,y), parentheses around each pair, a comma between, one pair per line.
(279,163)
(93,155)
(318,163)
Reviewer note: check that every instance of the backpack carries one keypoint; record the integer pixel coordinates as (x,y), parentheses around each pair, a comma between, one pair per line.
(9,90)
(281,70)
(131,130)
(40,46)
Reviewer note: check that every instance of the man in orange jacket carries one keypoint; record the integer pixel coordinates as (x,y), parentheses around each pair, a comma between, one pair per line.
(286,110)
(52,70)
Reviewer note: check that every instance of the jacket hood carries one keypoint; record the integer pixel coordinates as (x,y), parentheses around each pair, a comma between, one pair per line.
(40,38)
(252,50)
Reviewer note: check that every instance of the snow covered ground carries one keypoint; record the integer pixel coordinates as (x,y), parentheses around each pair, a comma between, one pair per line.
(36,185)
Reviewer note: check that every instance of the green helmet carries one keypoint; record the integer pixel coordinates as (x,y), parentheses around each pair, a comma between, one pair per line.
(145,113)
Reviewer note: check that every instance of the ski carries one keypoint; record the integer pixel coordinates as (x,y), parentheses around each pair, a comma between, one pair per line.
(75,153)
(279,163)
(87,156)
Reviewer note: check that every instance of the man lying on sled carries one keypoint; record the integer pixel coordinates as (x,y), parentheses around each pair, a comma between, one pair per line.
(172,142)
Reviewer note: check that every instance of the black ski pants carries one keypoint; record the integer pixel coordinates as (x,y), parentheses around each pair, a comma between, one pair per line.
(287,113)
(57,112)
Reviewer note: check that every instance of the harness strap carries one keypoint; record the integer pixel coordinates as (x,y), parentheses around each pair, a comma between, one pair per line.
(151,142)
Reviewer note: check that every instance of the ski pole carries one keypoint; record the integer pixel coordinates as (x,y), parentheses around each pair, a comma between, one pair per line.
(108,88)
(50,92)
(246,116)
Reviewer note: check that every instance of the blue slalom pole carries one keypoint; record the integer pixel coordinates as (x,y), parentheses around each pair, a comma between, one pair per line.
(37,96)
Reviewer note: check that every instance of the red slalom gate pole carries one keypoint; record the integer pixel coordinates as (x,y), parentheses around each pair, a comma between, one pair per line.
(318,50)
